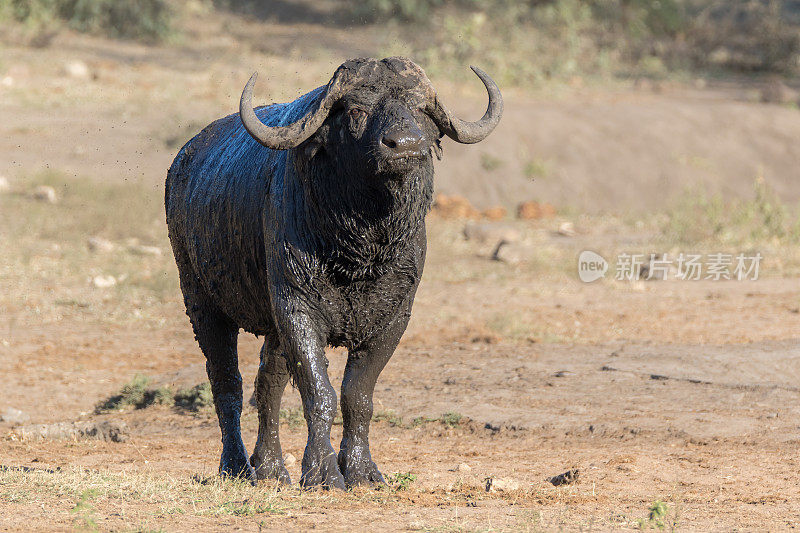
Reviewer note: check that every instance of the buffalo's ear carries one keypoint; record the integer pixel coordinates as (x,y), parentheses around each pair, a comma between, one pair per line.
(313,144)
(311,147)
(437,148)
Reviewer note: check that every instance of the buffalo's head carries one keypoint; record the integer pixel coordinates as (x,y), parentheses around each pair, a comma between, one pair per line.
(374,117)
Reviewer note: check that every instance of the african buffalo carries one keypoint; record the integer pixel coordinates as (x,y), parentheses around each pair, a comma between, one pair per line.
(305,223)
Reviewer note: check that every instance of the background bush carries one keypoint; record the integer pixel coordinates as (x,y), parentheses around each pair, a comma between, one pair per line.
(525,42)
(586,35)
(148,20)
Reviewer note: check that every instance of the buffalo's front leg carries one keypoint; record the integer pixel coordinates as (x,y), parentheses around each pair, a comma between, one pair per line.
(304,347)
(273,374)
(361,373)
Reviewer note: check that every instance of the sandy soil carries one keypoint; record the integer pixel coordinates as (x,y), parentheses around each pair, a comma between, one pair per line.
(659,409)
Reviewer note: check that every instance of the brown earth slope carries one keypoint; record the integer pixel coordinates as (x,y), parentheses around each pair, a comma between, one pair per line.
(589,149)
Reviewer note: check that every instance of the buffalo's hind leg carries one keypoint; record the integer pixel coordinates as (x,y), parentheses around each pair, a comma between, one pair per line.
(364,365)
(273,374)
(217,335)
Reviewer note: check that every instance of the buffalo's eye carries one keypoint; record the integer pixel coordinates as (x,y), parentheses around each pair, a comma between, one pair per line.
(356,113)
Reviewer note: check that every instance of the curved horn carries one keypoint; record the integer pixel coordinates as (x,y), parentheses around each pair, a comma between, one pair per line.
(471,132)
(290,136)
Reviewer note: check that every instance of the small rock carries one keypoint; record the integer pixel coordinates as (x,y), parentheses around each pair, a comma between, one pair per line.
(534,210)
(463,467)
(5,186)
(567,229)
(99,244)
(567,478)
(141,249)
(7,81)
(289,460)
(497,212)
(106,430)
(45,193)
(14,416)
(529,211)
(454,207)
(76,69)
(501,484)
(104,282)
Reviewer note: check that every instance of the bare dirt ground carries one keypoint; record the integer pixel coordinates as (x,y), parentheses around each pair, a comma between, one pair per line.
(674,391)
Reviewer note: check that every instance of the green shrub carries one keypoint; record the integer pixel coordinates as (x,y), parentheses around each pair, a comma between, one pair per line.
(194,399)
(407,10)
(696,217)
(390,417)
(401,480)
(292,416)
(451,419)
(531,41)
(137,394)
(746,35)
(132,394)
(148,20)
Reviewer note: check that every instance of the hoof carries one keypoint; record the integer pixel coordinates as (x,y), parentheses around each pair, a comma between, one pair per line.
(237,471)
(321,470)
(366,475)
(358,468)
(234,464)
(273,469)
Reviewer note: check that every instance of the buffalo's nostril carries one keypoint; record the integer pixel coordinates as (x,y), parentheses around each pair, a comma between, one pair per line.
(388,141)
(402,141)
